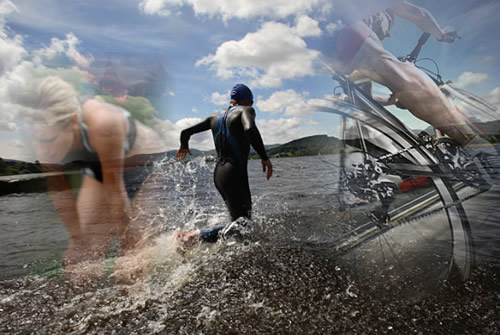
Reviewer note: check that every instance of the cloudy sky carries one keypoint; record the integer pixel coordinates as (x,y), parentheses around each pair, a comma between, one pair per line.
(204,47)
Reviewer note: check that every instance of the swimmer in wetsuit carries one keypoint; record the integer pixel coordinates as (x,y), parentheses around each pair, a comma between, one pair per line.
(234,131)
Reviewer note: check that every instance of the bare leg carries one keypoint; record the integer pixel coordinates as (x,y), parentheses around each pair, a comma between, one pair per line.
(413,88)
(84,257)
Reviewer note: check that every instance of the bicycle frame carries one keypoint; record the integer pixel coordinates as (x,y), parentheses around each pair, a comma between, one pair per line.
(373,114)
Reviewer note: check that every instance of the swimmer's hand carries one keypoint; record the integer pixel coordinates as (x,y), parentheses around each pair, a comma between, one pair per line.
(181,153)
(266,164)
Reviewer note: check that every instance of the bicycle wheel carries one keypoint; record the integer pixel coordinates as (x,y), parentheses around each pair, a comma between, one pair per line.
(426,235)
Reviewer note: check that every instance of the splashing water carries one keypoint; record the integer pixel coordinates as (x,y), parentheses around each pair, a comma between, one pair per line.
(273,283)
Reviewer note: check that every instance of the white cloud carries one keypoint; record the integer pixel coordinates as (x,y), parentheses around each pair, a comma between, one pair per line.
(171,134)
(228,9)
(332,27)
(12,69)
(157,7)
(171,93)
(494,96)
(470,78)
(306,26)
(290,103)
(194,110)
(279,130)
(187,122)
(8,126)
(67,47)
(268,56)
(219,99)
(11,48)
(284,130)
(6,8)
(11,52)
(17,66)
(16,149)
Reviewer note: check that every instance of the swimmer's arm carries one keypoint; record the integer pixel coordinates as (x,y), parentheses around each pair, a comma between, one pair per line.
(252,133)
(186,135)
(197,128)
(255,140)
(421,17)
(61,194)
(109,145)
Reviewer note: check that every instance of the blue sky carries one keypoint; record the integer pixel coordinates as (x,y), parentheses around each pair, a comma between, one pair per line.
(206,46)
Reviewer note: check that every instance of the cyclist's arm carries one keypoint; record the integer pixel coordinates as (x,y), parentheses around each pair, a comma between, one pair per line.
(421,17)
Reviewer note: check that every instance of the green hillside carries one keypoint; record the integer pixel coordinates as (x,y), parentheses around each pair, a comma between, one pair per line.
(10,167)
(306,146)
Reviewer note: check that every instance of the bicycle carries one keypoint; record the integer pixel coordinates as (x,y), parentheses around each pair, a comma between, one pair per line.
(379,153)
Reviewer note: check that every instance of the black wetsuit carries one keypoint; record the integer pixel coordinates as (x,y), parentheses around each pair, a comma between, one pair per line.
(234,130)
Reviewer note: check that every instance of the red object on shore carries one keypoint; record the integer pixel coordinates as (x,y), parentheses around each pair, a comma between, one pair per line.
(419,182)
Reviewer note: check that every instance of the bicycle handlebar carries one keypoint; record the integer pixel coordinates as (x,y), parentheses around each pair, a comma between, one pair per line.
(421,41)
(412,57)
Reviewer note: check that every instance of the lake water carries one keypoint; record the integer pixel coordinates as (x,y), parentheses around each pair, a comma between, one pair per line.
(279,282)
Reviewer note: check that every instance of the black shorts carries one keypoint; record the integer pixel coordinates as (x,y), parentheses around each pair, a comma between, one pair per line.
(134,174)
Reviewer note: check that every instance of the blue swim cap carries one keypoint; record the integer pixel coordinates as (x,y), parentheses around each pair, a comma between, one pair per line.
(241,92)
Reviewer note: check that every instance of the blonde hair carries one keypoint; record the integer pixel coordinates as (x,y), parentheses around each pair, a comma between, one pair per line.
(52,100)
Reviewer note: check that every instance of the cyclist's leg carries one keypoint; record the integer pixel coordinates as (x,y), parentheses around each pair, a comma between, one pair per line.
(414,89)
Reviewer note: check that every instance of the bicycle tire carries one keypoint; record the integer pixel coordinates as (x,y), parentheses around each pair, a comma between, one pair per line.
(459,257)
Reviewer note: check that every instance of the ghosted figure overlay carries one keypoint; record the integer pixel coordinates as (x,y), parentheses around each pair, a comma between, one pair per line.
(97,138)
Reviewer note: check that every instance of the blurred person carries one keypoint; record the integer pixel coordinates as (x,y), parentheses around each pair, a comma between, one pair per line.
(113,91)
(98,138)
(361,55)
(234,131)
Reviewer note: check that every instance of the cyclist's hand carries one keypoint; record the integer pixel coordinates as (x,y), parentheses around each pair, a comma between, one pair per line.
(449,35)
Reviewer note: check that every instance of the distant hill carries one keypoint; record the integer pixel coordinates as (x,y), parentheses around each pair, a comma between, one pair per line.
(306,146)
(10,167)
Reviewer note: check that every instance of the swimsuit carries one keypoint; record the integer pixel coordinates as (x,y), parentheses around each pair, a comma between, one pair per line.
(88,160)
(94,169)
